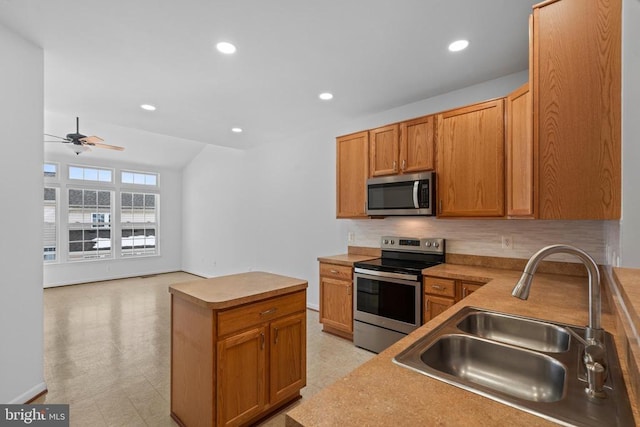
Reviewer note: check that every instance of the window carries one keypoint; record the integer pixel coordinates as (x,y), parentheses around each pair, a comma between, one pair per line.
(139,222)
(50,170)
(139,178)
(90,174)
(89,221)
(50,233)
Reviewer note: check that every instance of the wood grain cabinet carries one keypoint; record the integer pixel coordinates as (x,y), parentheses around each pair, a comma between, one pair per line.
(405,147)
(232,366)
(520,154)
(352,171)
(470,160)
(441,293)
(576,100)
(336,299)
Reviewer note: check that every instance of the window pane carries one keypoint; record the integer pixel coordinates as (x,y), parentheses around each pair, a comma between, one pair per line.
(90,198)
(50,170)
(50,194)
(149,200)
(126,199)
(127,178)
(89,224)
(138,232)
(104,175)
(90,174)
(50,227)
(76,173)
(151,180)
(104,198)
(138,178)
(138,199)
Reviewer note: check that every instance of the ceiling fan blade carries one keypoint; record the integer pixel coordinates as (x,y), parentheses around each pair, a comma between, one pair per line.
(100,145)
(55,136)
(91,139)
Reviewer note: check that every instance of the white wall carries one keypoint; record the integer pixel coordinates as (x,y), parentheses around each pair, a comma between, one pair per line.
(630,224)
(169,235)
(273,208)
(21,125)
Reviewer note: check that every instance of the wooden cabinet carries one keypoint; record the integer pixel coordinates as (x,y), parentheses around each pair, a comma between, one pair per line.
(352,171)
(470,160)
(336,299)
(441,293)
(233,366)
(405,147)
(384,148)
(576,100)
(520,154)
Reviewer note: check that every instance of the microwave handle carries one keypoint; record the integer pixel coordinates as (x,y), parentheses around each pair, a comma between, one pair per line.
(416,187)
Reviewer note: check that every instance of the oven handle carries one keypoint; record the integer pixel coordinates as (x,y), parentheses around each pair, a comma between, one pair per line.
(385,275)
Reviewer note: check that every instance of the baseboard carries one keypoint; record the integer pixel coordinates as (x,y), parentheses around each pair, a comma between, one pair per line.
(30,394)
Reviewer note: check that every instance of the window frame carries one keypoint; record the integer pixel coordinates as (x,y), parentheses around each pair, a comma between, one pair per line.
(90,181)
(138,185)
(128,253)
(56,240)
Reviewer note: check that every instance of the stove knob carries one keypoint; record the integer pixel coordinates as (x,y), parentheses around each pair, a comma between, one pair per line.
(428,244)
(392,242)
(436,244)
(385,241)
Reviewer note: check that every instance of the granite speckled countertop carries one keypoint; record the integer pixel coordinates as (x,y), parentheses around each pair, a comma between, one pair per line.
(382,393)
(236,289)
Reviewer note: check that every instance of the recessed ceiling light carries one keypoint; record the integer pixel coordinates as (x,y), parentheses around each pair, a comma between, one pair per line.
(236,130)
(226,48)
(148,107)
(458,45)
(325,96)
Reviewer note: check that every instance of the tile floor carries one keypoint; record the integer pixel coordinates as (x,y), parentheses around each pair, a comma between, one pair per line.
(107,352)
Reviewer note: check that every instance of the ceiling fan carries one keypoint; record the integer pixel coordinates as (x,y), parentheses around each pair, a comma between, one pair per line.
(81,143)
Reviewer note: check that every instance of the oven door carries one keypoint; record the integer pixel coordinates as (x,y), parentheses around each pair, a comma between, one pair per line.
(391,303)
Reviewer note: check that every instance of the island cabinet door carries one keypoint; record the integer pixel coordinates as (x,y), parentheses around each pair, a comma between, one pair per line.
(241,382)
(288,356)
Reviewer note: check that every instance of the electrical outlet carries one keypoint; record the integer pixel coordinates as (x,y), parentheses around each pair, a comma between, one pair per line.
(351,237)
(507,242)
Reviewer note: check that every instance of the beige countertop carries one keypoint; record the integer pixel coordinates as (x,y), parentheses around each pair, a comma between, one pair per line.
(382,393)
(237,289)
(345,259)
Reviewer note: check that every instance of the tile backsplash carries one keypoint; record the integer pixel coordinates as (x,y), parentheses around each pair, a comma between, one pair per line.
(484,237)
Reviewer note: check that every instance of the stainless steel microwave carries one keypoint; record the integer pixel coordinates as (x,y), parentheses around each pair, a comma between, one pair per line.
(411,194)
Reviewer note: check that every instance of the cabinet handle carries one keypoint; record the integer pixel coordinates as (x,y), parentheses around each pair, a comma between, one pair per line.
(349,290)
(464,292)
(404,164)
(275,340)
(261,340)
(440,206)
(270,311)
(426,305)
(438,287)
(395,165)
(334,271)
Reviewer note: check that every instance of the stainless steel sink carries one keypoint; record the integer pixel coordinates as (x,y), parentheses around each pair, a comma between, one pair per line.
(526,363)
(524,374)
(534,335)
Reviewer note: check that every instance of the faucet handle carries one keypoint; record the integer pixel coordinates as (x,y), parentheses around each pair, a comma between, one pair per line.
(596,374)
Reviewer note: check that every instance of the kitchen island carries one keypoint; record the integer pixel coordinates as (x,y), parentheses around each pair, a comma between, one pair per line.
(238,347)
(382,393)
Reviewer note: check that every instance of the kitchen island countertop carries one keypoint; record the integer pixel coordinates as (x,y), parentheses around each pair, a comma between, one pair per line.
(382,393)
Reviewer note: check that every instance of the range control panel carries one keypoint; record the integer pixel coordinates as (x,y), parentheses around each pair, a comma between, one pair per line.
(412,244)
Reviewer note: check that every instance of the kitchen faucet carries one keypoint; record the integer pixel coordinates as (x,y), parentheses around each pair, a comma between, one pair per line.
(594,352)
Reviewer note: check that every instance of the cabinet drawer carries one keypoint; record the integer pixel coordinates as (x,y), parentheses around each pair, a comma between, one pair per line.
(439,286)
(237,319)
(341,272)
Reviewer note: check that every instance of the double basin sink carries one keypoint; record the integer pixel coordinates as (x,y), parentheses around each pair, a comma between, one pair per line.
(526,363)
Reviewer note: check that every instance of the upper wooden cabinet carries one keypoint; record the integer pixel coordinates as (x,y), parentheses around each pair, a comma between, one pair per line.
(576,95)
(352,171)
(383,150)
(405,147)
(520,154)
(470,161)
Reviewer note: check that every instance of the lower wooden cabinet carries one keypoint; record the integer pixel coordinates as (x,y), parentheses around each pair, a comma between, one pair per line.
(231,367)
(441,293)
(336,299)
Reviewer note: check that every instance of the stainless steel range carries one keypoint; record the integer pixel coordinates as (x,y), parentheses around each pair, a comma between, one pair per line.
(388,291)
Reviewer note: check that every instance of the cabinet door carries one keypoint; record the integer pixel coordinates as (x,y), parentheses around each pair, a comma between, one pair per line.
(467,288)
(520,155)
(288,356)
(470,161)
(416,145)
(336,304)
(433,306)
(383,150)
(352,171)
(577,107)
(241,390)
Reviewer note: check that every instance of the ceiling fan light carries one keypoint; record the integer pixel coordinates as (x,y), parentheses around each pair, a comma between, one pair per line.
(79,149)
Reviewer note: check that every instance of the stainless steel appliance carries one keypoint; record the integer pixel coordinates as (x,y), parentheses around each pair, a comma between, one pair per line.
(412,194)
(388,291)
